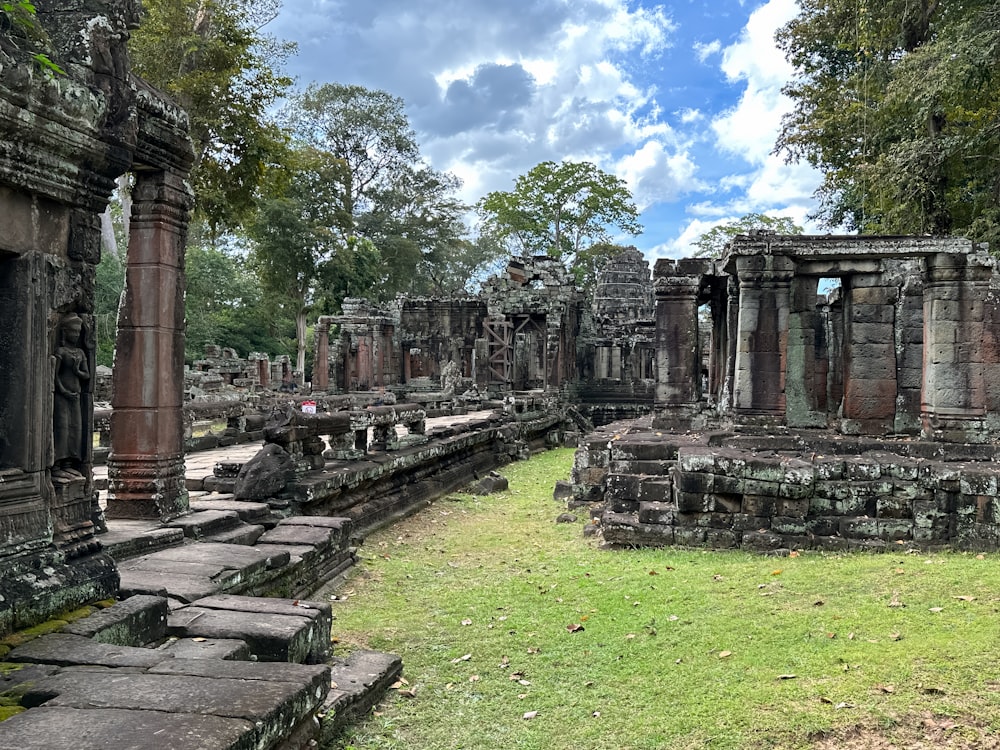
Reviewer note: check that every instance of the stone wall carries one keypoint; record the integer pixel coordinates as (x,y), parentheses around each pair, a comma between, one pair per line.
(800,491)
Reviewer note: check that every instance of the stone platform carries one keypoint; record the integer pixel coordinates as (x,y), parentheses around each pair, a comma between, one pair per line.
(787,489)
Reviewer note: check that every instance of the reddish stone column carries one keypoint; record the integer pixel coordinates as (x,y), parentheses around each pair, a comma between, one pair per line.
(762,334)
(870,355)
(146,463)
(678,357)
(960,349)
(321,363)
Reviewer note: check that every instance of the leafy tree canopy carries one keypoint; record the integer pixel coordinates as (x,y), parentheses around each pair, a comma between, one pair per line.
(898,103)
(215,60)
(713,242)
(299,228)
(407,214)
(560,210)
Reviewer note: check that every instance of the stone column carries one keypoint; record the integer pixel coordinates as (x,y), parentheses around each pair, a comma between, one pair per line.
(960,353)
(321,363)
(805,379)
(762,334)
(678,358)
(870,384)
(146,464)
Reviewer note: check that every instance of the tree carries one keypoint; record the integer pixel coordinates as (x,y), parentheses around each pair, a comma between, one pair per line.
(713,242)
(897,103)
(417,223)
(299,228)
(559,210)
(226,305)
(407,211)
(214,59)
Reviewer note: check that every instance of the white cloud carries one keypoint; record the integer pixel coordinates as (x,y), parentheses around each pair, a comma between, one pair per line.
(751,127)
(704,50)
(654,175)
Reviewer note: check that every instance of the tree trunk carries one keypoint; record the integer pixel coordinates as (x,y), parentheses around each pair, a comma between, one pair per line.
(300,340)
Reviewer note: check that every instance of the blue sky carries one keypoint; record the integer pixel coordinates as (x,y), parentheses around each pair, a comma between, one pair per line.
(681,100)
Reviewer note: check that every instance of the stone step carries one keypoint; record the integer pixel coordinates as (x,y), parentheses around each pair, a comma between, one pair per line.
(274,629)
(125,539)
(357,683)
(249,512)
(176,704)
(200,524)
(246,534)
(228,649)
(195,571)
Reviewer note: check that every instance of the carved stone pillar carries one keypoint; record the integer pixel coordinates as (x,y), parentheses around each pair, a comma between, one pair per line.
(960,348)
(146,464)
(321,363)
(762,334)
(678,356)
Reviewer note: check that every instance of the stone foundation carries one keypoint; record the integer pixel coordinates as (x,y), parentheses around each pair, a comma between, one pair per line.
(799,490)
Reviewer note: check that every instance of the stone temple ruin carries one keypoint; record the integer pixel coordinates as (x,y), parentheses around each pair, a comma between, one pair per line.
(799,392)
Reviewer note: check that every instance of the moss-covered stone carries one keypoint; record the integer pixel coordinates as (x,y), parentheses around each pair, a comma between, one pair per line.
(29,634)
(7,711)
(77,614)
(6,667)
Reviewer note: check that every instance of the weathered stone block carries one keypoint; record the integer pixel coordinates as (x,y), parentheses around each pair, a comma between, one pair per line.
(618,505)
(623,486)
(893,506)
(827,469)
(762,541)
(694,502)
(895,529)
(862,469)
(762,488)
(647,468)
(728,503)
(135,621)
(656,490)
(757,505)
(721,538)
(693,536)
(655,512)
(688,481)
(789,525)
(793,508)
(745,522)
(823,525)
(860,528)
(706,520)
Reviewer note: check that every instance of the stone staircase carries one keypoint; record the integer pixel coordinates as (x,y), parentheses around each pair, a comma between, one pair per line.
(214,643)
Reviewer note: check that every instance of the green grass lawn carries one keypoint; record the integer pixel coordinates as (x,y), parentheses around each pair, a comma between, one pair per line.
(499,613)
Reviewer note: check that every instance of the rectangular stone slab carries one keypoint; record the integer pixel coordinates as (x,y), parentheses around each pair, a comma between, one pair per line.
(293,534)
(293,607)
(230,555)
(65,649)
(212,649)
(253,700)
(270,637)
(130,622)
(182,587)
(317,676)
(63,728)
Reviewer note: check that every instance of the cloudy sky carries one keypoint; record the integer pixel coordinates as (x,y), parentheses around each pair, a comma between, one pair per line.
(681,100)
